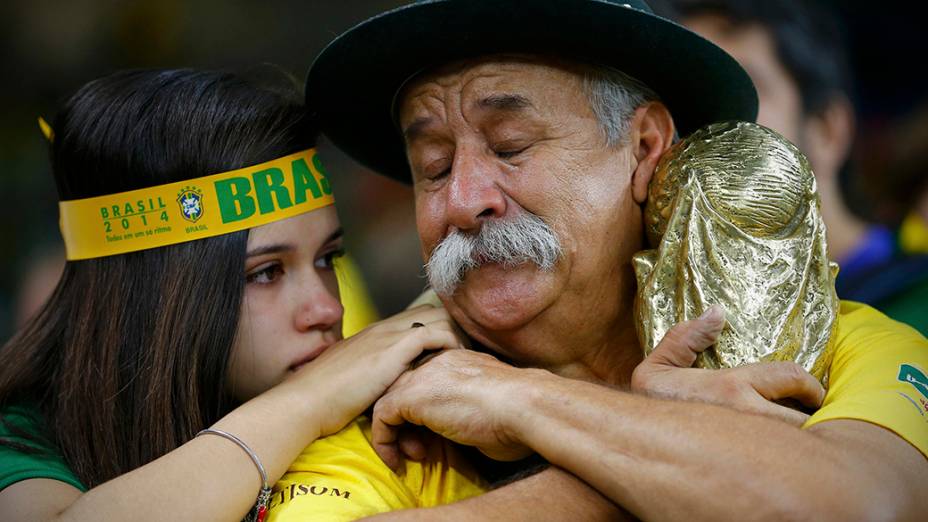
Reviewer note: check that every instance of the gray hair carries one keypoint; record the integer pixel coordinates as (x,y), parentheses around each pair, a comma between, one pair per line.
(614,96)
(523,238)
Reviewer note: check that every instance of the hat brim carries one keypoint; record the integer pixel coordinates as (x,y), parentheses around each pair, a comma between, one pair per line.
(351,84)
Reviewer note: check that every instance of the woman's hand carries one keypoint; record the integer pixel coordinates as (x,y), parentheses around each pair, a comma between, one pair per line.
(352,374)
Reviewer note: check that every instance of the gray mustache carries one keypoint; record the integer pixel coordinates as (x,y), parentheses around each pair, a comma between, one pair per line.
(510,242)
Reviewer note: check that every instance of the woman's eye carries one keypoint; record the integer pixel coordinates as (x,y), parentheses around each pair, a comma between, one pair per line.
(266,275)
(327,261)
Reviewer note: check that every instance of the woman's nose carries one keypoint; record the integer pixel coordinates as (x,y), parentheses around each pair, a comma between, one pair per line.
(318,309)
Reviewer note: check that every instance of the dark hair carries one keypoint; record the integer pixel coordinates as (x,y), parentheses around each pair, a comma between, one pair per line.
(807,38)
(127,360)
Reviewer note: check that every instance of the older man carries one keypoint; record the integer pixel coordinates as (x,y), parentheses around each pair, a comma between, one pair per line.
(530,156)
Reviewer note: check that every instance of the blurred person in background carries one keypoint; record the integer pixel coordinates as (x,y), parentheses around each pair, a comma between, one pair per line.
(908,179)
(896,177)
(795,54)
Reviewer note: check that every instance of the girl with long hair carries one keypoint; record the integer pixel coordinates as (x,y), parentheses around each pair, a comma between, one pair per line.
(151,338)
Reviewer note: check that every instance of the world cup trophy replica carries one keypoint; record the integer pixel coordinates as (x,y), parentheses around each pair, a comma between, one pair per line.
(733,218)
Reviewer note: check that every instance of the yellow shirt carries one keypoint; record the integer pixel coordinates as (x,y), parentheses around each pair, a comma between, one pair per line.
(913,235)
(879,375)
(359,307)
(340,478)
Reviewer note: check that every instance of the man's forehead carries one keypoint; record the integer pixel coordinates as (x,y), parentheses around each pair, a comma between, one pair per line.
(525,77)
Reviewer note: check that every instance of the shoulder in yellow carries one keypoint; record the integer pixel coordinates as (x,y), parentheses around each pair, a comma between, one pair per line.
(879,375)
(340,478)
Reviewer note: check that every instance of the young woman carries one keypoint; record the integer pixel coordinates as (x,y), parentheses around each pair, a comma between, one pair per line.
(213,308)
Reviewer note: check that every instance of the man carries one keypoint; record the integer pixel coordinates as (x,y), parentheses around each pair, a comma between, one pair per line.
(530,156)
(795,57)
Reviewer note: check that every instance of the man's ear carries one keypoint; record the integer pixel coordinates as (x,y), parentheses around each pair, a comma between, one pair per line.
(651,134)
(827,137)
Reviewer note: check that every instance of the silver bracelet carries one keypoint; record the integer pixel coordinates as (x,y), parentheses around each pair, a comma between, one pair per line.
(259,511)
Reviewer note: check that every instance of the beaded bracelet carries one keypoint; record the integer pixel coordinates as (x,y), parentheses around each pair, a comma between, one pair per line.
(259,511)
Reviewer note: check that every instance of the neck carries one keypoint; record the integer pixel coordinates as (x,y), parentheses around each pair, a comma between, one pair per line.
(597,342)
(844,230)
(612,361)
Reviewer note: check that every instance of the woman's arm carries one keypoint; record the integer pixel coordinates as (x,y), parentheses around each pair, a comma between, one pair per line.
(211,478)
(208,478)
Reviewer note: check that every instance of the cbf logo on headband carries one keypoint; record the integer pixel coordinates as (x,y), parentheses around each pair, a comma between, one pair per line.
(189,200)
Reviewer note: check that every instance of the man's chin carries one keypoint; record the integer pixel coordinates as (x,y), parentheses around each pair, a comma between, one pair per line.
(497,298)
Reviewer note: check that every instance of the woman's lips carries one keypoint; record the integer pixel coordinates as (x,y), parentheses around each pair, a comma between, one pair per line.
(315,352)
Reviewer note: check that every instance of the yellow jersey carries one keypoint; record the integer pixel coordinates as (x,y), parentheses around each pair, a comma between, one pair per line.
(339,478)
(879,375)
(359,307)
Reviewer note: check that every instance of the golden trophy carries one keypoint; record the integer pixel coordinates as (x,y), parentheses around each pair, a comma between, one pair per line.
(733,218)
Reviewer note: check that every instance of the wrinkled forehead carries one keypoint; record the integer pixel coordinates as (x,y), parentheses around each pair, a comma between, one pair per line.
(536,77)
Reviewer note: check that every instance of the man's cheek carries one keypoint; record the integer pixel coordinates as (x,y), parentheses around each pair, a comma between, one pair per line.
(429,225)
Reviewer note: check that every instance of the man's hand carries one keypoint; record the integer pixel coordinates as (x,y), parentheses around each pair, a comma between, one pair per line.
(752,388)
(462,395)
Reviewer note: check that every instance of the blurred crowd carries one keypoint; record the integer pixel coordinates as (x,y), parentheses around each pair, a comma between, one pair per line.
(842,80)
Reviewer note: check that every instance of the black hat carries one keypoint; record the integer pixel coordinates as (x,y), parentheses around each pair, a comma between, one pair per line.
(352,83)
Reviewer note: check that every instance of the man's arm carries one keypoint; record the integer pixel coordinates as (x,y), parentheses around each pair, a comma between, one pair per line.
(552,494)
(667,460)
(664,459)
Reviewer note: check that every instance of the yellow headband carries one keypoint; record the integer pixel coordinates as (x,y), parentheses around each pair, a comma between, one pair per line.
(194,208)
(46,130)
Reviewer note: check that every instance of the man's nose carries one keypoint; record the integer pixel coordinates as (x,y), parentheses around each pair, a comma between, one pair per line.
(317,308)
(474,194)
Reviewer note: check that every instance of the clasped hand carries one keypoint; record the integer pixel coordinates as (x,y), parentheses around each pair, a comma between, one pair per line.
(352,374)
(474,399)
(462,395)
